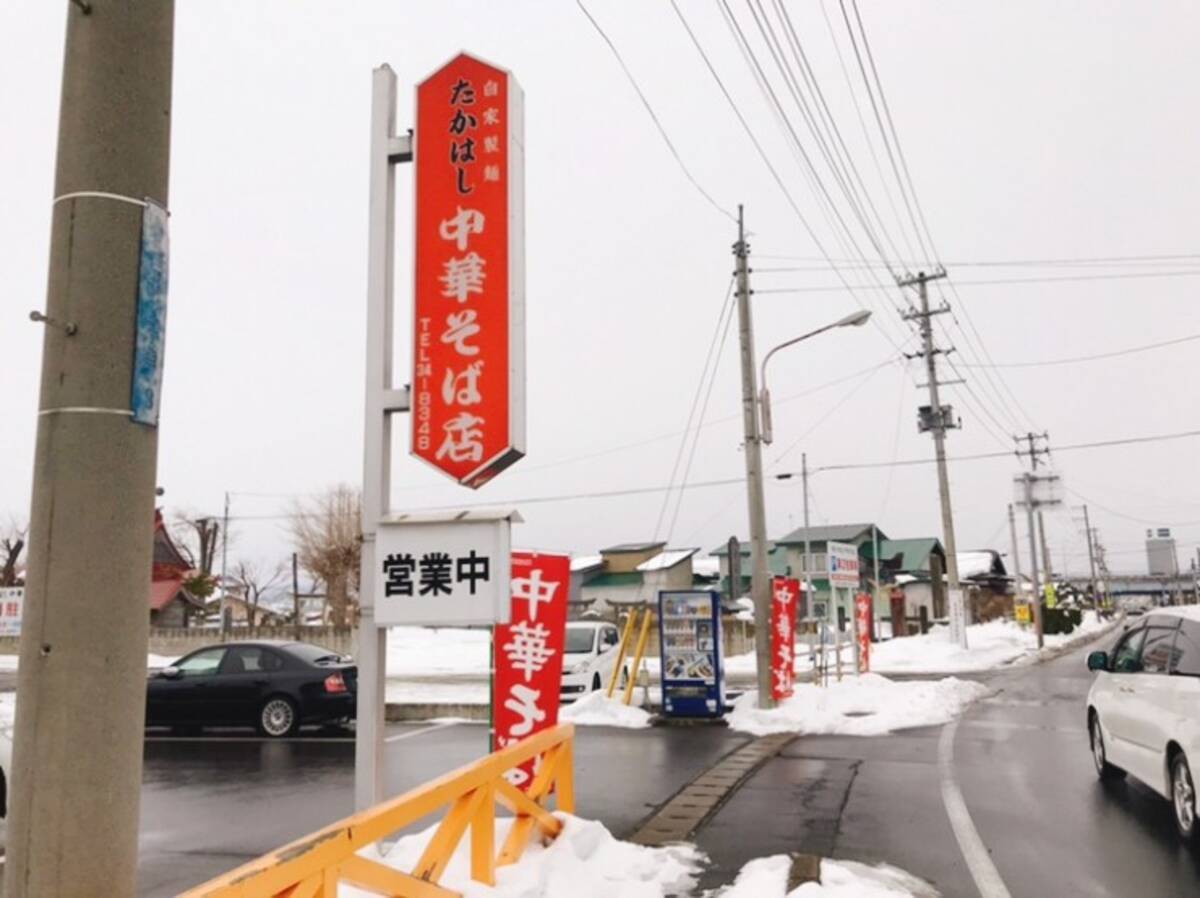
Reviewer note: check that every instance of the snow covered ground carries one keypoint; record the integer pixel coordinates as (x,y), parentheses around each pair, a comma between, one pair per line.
(870,705)
(597,709)
(767,878)
(585,861)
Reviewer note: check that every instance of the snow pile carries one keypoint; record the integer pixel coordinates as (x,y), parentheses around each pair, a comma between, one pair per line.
(585,861)
(767,878)
(994,644)
(869,705)
(597,709)
(431,651)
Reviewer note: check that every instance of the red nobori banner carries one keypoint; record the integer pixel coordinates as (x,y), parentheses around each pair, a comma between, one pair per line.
(529,653)
(468,385)
(864,620)
(785,596)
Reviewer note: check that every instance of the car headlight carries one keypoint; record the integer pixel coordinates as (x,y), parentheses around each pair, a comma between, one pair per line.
(579,667)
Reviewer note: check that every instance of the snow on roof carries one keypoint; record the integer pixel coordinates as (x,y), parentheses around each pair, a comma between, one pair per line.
(666,559)
(974,564)
(586,562)
(706,565)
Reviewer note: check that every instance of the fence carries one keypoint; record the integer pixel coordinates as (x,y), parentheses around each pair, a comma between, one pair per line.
(316,864)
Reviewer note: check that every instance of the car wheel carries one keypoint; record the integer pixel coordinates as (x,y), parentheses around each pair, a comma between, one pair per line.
(1183,797)
(596,684)
(278,717)
(1104,770)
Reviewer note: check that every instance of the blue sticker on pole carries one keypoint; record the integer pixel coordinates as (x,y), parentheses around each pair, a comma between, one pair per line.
(151,317)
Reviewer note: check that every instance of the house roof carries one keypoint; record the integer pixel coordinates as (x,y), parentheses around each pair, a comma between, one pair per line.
(706,566)
(838,533)
(743,548)
(623,548)
(627,578)
(914,553)
(165,551)
(163,591)
(587,562)
(982,564)
(666,559)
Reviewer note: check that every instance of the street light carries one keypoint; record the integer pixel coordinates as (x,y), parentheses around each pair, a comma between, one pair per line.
(854,319)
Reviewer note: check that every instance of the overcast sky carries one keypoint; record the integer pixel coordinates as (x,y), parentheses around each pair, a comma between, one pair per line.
(1031,130)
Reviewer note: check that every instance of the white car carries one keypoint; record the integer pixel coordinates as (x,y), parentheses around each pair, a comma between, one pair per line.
(589,658)
(1143,709)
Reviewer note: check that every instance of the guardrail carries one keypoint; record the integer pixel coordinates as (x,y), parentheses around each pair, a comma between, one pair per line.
(312,867)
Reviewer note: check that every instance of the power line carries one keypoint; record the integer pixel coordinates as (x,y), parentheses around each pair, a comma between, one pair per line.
(991,282)
(653,116)
(1114,261)
(1092,358)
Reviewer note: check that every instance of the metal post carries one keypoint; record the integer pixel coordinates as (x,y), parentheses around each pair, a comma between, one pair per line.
(1087,526)
(1033,575)
(760,579)
(809,598)
(875,592)
(958,620)
(76,775)
(296,622)
(382,399)
(224,605)
(1016,554)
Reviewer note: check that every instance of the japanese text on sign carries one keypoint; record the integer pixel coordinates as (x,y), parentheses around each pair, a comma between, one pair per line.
(864,621)
(785,594)
(529,653)
(468,377)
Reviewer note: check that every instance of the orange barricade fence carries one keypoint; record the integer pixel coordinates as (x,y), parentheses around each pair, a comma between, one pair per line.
(313,867)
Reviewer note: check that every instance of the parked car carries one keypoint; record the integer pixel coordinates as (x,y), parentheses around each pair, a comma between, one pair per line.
(589,658)
(6,748)
(1143,710)
(274,686)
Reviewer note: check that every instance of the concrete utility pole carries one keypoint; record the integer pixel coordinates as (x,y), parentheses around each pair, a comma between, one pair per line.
(1087,526)
(760,577)
(77,763)
(1036,598)
(224,606)
(939,419)
(1016,554)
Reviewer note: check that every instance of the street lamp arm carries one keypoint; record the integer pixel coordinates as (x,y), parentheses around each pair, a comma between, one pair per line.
(854,319)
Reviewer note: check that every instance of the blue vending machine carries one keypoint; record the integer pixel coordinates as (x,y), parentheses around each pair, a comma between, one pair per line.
(689,634)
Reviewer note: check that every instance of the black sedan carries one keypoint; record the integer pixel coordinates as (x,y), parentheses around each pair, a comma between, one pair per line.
(274,686)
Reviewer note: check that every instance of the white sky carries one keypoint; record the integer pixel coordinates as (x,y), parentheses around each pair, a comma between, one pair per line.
(1032,131)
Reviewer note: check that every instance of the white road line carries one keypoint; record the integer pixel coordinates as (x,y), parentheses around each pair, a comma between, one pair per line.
(429,729)
(974,852)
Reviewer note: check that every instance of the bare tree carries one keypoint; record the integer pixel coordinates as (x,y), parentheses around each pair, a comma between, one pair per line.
(12,541)
(255,581)
(196,537)
(328,535)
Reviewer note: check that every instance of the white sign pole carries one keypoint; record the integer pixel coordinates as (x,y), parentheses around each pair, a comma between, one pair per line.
(382,400)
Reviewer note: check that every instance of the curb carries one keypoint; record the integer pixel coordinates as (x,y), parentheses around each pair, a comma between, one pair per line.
(695,804)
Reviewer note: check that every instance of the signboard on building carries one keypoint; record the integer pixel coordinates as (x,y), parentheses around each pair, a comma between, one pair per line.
(785,598)
(843,565)
(468,382)
(529,653)
(863,622)
(12,605)
(443,569)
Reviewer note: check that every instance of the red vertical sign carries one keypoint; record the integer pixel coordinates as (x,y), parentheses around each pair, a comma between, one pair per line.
(468,385)
(785,596)
(529,652)
(864,620)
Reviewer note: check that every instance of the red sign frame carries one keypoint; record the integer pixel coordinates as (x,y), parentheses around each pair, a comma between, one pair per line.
(785,598)
(468,383)
(528,653)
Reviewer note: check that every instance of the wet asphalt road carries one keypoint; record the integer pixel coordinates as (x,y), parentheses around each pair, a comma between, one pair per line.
(1020,759)
(1022,763)
(210,804)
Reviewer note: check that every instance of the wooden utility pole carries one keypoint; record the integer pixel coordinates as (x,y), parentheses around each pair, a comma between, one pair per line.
(81,687)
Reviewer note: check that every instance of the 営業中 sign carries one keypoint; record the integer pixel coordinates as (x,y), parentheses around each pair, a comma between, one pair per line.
(447,569)
(863,622)
(785,597)
(529,653)
(468,384)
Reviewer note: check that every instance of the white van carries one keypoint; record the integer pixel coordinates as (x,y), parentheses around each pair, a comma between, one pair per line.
(1143,709)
